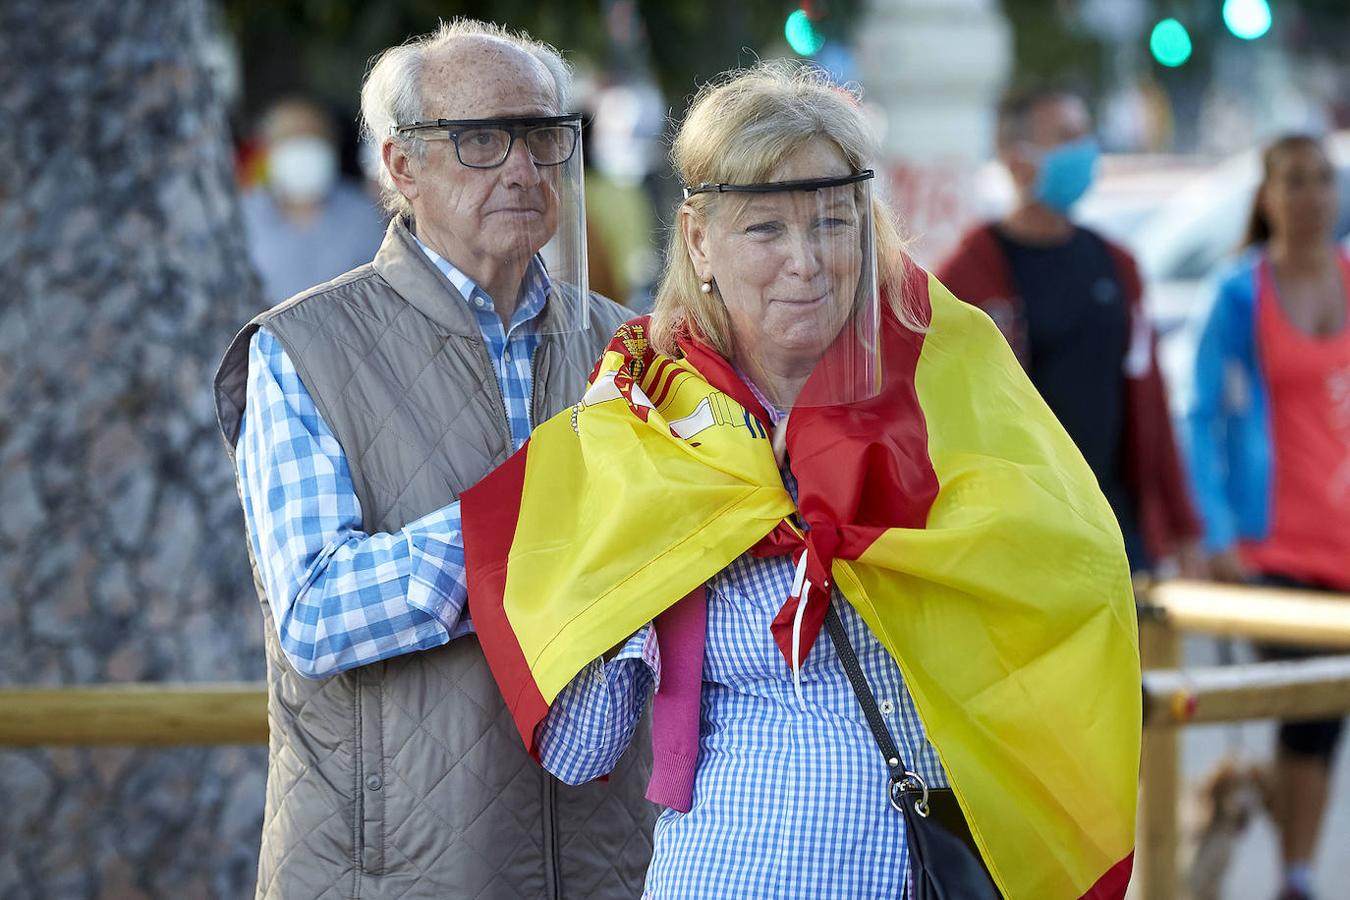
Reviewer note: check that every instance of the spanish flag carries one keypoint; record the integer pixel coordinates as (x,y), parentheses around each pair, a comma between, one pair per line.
(952,511)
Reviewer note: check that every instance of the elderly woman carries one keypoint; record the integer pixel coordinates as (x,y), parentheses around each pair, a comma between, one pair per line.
(810,434)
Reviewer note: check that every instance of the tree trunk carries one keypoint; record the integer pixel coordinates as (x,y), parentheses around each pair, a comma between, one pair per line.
(121,545)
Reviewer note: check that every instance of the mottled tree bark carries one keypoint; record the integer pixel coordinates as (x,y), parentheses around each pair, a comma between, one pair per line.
(122,276)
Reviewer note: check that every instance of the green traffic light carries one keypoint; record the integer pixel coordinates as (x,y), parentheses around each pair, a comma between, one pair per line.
(1247,19)
(1170,43)
(801,34)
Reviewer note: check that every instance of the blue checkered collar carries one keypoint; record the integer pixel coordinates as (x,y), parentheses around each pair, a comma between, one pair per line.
(536,286)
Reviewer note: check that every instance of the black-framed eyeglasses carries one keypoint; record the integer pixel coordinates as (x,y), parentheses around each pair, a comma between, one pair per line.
(486,143)
(774,187)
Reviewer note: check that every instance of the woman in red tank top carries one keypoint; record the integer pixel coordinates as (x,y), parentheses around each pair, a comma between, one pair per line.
(1302,344)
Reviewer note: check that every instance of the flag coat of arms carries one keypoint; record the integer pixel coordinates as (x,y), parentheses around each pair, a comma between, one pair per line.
(952,511)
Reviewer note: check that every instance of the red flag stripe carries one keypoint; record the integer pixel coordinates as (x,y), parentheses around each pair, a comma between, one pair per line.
(493,505)
(1112,885)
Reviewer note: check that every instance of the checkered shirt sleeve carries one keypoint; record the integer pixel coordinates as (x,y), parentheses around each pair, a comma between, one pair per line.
(592,720)
(341,597)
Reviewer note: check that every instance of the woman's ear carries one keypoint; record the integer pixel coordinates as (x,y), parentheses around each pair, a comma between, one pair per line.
(695,231)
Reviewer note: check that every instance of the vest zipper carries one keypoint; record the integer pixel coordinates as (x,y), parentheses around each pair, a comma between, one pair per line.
(502,420)
(552,870)
(359,806)
(535,392)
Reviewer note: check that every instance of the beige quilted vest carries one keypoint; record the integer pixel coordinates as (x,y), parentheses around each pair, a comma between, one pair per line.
(406,778)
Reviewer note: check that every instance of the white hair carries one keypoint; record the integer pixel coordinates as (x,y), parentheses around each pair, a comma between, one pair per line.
(391,94)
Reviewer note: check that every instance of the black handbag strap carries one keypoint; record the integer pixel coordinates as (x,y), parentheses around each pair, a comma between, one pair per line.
(945,851)
(902,780)
(853,669)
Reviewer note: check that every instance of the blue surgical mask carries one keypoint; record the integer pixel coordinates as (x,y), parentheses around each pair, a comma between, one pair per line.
(1066,174)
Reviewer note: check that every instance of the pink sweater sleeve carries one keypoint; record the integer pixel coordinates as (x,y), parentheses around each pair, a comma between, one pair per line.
(680,634)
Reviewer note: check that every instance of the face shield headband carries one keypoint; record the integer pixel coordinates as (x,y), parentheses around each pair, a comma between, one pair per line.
(773,187)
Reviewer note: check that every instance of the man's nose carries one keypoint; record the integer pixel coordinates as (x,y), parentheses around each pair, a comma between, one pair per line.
(519,168)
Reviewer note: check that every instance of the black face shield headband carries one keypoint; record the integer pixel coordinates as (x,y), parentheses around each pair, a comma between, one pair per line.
(775,187)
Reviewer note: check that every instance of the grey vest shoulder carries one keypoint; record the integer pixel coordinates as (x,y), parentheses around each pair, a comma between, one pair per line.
(406,778)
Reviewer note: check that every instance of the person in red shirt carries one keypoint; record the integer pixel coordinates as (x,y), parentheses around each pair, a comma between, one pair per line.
(1269,440)
(1070,304)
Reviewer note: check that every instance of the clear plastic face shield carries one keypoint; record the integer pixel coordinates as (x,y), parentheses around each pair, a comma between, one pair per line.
(515,202)
(794,263)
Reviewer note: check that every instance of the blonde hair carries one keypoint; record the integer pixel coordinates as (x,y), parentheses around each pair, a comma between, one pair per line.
(740,128)
(392,91)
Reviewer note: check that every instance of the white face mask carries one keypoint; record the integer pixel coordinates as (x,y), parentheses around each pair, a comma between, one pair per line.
(302,169)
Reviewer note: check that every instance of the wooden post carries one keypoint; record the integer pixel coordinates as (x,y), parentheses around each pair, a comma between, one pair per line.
(1155,862)
(137,714)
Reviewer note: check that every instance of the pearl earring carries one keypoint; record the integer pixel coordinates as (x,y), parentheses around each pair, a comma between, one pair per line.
(706,287)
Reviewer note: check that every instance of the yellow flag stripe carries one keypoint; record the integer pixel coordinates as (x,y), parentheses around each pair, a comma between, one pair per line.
(1037,768)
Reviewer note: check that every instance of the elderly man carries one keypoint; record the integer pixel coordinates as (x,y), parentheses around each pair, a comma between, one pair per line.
(356,413)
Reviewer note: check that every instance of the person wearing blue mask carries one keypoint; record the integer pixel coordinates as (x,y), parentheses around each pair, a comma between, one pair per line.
(1070,303)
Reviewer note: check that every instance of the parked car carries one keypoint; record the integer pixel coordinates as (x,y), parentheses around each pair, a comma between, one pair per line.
(1130,187)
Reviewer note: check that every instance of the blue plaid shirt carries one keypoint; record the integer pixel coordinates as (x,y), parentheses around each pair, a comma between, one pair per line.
(342,597)
(789,797)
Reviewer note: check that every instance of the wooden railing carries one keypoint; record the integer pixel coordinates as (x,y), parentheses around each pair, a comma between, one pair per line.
(1312,688)
(156,715)
(178,714)
(1279,615)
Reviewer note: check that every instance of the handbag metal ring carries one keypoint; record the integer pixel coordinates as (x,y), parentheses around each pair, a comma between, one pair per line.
(904,784)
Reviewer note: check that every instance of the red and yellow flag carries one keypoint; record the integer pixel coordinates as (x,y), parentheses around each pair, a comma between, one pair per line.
(961,522)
